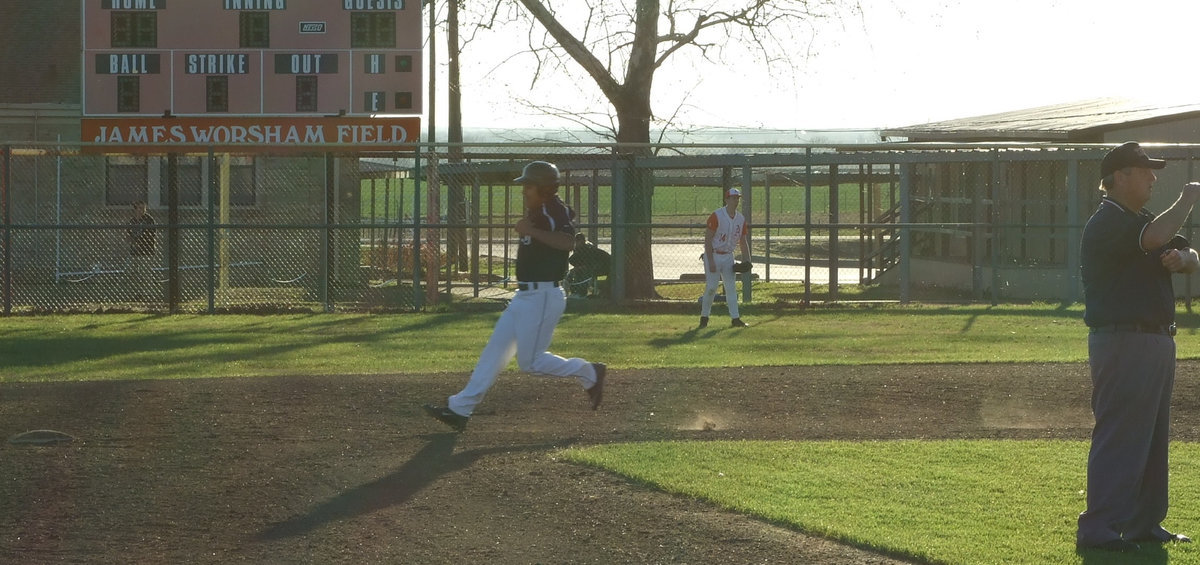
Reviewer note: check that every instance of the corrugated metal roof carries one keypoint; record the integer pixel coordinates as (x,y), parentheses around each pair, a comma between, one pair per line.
(1073,121)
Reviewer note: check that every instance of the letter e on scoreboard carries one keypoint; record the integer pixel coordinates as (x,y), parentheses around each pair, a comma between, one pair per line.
(373,101)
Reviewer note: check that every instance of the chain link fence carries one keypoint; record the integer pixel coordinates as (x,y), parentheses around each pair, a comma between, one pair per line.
(326,231)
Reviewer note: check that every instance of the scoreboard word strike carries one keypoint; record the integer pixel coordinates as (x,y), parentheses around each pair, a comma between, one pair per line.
(217,64)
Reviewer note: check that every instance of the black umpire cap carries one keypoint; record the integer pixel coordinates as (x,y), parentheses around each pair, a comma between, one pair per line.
(1128,154)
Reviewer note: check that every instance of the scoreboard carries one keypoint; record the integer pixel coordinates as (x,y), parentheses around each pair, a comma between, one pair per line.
(245,64)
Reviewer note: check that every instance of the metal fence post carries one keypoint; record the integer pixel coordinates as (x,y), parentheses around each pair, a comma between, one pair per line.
(979,196)
(834,220)
(994,220)
(433,239)
(620,176)
(1074,234)
(747,178)
(905,261)
(6,203)
(474,219)
(807,226)
(212,232)
(767,227)
(327,242)
(418,296)
(173,290)
(1187,279)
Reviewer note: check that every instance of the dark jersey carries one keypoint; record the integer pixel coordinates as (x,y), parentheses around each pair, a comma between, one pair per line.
(141,236)
(1122,283)
(537,261)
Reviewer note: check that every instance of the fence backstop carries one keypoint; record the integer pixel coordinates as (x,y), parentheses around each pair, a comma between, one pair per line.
(326,230)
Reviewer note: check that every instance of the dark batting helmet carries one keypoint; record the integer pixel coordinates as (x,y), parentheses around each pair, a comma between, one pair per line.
(540,174)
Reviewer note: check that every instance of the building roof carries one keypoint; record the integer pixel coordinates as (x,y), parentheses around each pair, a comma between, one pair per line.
(1083,121)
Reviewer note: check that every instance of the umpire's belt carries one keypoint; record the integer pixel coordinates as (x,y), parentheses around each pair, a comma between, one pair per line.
(536,285)
(1137,328)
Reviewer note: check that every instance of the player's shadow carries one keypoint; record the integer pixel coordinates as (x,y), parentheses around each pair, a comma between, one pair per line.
(437,458)
(720,324)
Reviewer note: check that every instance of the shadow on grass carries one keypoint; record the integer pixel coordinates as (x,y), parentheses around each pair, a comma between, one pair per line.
(1147,554)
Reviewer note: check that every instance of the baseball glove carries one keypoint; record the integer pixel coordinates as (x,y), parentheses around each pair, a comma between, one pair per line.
(742,267)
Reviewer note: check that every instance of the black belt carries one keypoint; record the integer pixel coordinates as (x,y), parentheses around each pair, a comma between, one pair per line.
(1137,328)
(536,285)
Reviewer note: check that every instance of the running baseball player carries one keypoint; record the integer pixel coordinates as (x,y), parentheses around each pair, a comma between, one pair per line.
(527,324)
(727,232)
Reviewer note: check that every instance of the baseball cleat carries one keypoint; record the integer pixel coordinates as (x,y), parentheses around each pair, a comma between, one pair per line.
(596,393)
(446,416)
(1163,537)
(737,323)
(703,322)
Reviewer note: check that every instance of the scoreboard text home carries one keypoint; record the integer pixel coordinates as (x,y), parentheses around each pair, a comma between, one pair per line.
(251,57)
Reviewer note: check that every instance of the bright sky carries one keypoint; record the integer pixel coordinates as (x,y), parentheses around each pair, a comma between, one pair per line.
(904,62)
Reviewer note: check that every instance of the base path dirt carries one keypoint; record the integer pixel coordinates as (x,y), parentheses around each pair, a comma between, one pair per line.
(347,469)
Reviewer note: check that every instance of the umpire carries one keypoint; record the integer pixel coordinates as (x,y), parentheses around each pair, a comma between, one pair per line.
(1128,257)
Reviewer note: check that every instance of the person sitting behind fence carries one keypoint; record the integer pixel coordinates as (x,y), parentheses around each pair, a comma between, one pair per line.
(587,263)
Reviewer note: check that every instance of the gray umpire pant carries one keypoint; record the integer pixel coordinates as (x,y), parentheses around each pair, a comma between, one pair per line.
(1132,378)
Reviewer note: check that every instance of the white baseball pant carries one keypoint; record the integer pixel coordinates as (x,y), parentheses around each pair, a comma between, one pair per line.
(524,329)
(725,275)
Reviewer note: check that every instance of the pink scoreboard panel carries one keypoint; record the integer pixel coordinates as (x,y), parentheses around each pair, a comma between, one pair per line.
(247,58)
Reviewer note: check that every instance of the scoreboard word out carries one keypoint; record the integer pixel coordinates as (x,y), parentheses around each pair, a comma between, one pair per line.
(252,58)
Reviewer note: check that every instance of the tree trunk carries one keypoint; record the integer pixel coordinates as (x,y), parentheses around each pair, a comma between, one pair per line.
(456,212)
(633,119)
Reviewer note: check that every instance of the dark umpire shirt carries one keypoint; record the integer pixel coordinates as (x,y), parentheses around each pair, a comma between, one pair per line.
(1122,283)
(536,261)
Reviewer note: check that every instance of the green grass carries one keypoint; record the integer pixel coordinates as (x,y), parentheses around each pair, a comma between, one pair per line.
(962,502)
(946,502)
(672,204)
(792,293)
(141,346)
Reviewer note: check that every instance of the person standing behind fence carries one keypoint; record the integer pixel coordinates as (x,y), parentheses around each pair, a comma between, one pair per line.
(1127,258)
(143,251)
(527,324)
(726,232)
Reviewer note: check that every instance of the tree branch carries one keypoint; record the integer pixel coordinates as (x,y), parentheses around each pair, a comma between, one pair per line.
(574,48)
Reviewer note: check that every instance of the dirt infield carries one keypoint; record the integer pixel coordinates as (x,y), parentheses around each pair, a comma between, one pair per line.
(347,469)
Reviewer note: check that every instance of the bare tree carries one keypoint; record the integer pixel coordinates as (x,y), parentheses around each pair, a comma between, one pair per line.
(457,212)
(621,44)
(456,246)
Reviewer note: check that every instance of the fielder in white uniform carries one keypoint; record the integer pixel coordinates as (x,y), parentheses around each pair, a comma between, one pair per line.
(527,324)
(727,232)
